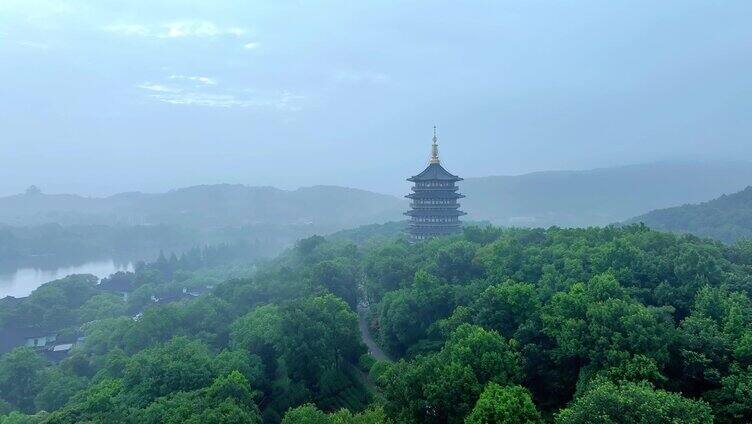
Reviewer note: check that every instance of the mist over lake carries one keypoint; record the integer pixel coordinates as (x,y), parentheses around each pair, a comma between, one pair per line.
(22,281)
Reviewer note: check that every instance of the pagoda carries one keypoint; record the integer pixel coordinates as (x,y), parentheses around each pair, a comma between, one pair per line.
(434,207)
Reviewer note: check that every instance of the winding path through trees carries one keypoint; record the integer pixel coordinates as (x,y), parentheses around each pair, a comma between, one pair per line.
(365,334)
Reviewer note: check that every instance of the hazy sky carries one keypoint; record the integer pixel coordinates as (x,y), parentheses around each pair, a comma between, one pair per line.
(101,96)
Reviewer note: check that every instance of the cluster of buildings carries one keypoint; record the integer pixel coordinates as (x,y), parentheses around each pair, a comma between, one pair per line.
(50,345)
(56,345)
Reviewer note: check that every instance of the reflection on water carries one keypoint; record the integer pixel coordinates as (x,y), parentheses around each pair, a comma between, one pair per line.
(21,282)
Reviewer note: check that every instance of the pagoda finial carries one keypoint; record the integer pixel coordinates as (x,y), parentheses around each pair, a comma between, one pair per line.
(434,148)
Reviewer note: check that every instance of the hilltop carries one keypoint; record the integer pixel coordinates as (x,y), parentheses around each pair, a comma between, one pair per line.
(726,218)
(598,196)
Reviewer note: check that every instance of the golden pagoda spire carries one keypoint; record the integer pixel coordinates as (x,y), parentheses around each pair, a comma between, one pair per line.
(434,148)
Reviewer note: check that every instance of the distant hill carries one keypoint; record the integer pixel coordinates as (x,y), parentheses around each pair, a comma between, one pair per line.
(726,218)
(598,196)
(326,208)
(540,199)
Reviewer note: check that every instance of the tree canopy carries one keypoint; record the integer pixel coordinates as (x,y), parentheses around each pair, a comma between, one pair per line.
(615,324)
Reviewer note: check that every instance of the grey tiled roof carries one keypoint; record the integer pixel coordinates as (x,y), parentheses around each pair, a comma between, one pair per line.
(435,172)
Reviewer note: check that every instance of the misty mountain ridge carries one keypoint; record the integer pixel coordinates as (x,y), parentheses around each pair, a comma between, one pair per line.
(207,206)
(540,199)
(598,196)
(726,218)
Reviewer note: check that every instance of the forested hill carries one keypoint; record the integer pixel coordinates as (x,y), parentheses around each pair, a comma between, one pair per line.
(727,218)
(326,207)
(599,196)
(564,326)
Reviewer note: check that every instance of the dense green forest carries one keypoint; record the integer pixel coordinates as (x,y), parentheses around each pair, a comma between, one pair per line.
(727,218)
(595,325)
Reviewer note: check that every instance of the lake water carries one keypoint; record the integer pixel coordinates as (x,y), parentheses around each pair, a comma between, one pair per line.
(23,281)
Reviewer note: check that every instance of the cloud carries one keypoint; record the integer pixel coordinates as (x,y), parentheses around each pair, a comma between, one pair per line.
(184,92)
(199,29)
(202,99)
(159,88)
(288,101)
(202,80)
(177,29)
(252,45)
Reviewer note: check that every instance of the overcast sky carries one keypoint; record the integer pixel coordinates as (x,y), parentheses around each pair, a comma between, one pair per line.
(98,97)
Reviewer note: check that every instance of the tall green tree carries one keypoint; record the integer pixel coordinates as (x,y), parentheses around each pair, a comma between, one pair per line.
(504,307)
(504,405)
(320,334)
(600,325)
(20,377)
(443,387)
(178,365)
(340,277)
(633,403)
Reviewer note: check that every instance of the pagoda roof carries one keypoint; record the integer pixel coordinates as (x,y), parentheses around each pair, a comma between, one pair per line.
(434,172)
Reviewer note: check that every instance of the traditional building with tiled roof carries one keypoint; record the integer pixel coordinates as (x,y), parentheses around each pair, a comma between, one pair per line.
(434,207)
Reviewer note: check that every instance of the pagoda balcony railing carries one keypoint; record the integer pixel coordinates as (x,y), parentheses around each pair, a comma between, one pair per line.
(438,188)
(455,197)
(434,206)
(434,224)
